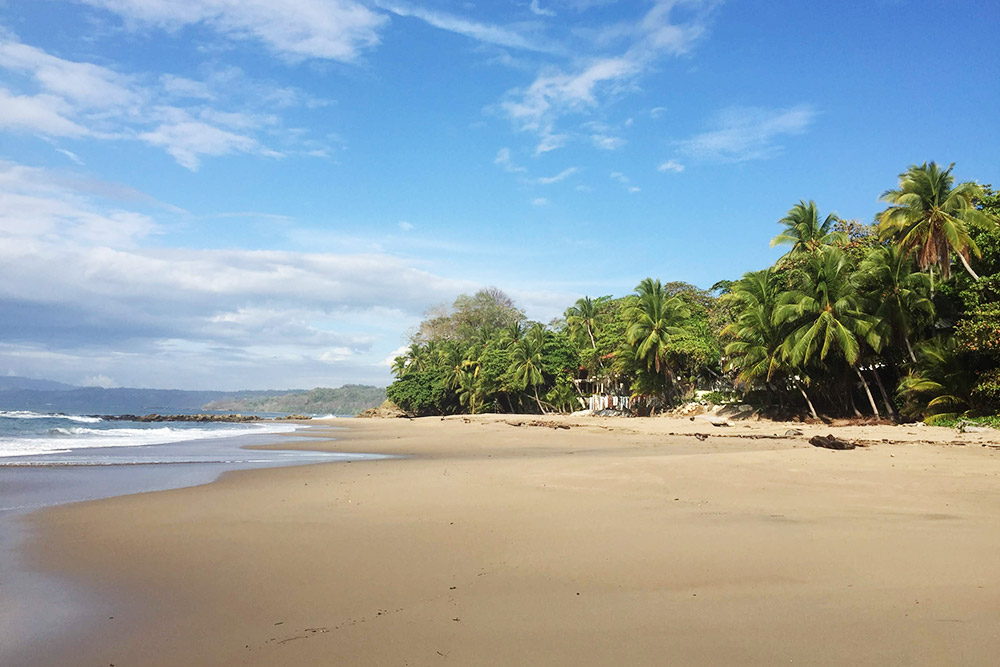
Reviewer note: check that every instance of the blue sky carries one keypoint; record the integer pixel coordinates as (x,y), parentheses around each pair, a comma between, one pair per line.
(269,193)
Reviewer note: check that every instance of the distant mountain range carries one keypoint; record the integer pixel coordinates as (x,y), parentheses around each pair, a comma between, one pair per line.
(13,383)
(18,393)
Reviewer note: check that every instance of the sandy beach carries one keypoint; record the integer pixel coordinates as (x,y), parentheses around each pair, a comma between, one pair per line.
(526,540)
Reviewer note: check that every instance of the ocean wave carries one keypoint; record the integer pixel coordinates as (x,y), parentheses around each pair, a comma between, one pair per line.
(60,440)
(25,414)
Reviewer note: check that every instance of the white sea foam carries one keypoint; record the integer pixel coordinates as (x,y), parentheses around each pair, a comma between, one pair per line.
(61,440)
(25,414)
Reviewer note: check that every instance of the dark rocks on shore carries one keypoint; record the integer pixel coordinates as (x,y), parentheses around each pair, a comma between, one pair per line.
(180,418)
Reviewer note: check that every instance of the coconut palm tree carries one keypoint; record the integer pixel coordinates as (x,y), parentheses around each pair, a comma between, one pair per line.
(526,363)
(755,350)
(929,216)
(653,316)
(900,292)
(804,231)
(941,384)
(825,315)
(584,317)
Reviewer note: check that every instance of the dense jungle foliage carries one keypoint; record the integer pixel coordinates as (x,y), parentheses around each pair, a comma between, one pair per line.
(899,318)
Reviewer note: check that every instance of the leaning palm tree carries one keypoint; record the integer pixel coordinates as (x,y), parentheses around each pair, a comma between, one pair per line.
(584,316)
(941,384)
(804,231)
(526,362)
(929,216)
(900,292)
(825,314)
(653,316)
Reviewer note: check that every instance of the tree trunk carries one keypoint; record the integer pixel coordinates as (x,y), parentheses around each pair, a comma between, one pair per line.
(968,268)
(538,400)
(854,406)
(890,409)
(812,410)
(909,348)
(871,399)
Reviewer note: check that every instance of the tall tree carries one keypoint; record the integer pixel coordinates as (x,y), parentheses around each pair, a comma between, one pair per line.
(526,363)
(805,232)
(899,292)
(652,316)
(826,315)
(930,216)
(584,317)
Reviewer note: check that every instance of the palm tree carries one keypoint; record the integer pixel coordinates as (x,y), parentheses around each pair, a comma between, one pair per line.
(652,317)
(804,231)
(930,216)
(585,316)
(941,384)
(825,313)
(526,365)
(899,292)
(755,350)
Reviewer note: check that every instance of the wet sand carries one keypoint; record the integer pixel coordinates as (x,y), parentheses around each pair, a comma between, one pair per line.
(507,541)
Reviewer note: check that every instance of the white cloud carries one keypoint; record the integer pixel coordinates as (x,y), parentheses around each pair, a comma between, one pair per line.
(537,9)
(71,155)
(44,114)
(747,133)
(405,226)
(295,29)
(91,300)
(656,112)
(489,34)
(63,98)
(555,93)
(606,142)
(618,176)
(102,381)
(561,176)
(539,201)
(187,140)
(504,160)
(632,189)
(672,166)
(398,352)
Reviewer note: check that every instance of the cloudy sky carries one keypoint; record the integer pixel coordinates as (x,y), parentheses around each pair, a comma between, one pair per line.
(269,193)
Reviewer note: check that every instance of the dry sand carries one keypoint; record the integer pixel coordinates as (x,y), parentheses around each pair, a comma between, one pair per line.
(613,542)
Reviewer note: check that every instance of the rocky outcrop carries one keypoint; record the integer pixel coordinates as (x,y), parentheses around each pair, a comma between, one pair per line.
(388,410)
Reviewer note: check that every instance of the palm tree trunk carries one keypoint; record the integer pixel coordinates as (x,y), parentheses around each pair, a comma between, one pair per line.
(812,410)
(890,409)
(909,348)
(968,268)
(871,399)
(538,400)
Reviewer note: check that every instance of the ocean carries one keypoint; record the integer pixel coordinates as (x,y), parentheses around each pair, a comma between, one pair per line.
(52,459)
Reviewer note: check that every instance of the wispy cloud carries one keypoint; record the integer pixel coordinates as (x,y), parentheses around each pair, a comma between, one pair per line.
(295,29)
(64,98)
(672,166)
(557,92)
(538,10)
(747,133)
(84,290)
(481,32)
(561,176)
(506,162)
(539,201)
(619,177)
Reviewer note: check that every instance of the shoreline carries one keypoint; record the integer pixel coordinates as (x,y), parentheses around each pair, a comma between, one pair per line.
(36,606)
(508,542)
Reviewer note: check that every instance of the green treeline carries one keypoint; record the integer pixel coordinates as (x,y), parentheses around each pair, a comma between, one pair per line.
(898,318)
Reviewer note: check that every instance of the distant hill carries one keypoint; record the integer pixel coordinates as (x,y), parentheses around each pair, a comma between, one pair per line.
(14,383)
(347,400)
(95,400)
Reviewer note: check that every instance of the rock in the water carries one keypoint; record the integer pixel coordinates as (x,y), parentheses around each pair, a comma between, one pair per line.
(830,442)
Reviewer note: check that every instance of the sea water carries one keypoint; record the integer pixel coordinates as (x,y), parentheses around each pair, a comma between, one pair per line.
(52,459)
